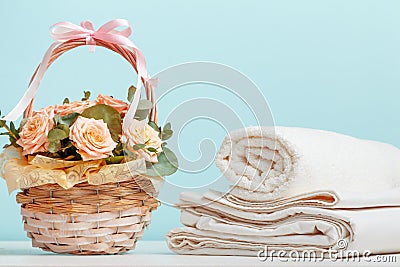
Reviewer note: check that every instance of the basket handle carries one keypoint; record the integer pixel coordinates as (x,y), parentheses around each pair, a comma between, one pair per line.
(124,52)
(106,37)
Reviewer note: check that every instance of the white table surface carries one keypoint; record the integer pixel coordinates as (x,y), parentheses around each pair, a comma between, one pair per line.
(147,253)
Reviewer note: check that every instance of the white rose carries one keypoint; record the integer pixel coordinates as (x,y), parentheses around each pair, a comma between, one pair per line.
(139,132)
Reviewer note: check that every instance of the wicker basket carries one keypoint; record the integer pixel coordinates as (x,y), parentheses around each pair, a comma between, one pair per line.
(89,219)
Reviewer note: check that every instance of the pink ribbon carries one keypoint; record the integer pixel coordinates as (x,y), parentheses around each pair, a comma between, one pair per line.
(66,31)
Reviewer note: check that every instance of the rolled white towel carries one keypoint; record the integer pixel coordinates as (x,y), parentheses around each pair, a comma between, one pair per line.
(270,162)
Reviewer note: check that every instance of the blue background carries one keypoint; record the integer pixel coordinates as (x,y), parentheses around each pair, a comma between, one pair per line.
(332,65)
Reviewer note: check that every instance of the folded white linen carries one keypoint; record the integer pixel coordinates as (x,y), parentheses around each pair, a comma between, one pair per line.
(265,163)
(295,190)
(220,225)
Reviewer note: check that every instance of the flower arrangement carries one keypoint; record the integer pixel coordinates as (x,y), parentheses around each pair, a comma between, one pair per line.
(91,130)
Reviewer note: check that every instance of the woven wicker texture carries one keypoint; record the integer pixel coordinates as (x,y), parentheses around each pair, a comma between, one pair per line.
(87,219)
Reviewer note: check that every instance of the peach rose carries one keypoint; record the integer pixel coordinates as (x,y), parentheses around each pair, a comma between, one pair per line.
(92,138)
(33,135)
(139,132)
(119,105)
(75,106)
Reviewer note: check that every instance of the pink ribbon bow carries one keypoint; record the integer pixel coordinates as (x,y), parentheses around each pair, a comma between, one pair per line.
(66,31)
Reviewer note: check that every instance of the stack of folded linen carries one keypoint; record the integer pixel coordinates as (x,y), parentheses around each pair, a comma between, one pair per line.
(295,189)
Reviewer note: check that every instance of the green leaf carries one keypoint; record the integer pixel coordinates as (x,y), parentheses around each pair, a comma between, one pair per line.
(141,114)
(143,109)
(166,134)
(63,127)
(138,146)
(167,126)
(109,115)
(86,95)
(68,119)
(131,93)
(114,160)
(66,101)
(13,129)
(56,135)
(154,126)
(167,164)
(144,104)
(5,133)
(54,146)
(152,149)
(13,141)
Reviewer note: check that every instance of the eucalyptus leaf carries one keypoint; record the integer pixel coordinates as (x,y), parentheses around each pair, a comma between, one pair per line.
(154,126)
(13,129)
(54,146)
(131,93)
(67,119)
(63,127)
(141,114)
(167,164)
(109,115)
(86,95)
(143,109)
(167,126)
(114,160)
(166,134)
(138,146)
(144,104)
(13,141)
(152,149)
(56,135)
